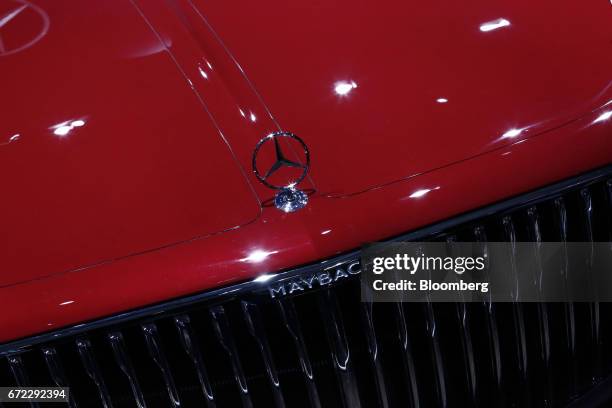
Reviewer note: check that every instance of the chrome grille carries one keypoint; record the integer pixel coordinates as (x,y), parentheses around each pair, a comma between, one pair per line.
(239,347)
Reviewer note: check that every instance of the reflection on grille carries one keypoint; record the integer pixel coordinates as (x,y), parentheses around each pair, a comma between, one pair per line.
(324,348)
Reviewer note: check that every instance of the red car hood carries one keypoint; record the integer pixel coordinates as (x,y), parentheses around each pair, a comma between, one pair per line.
(389,90)
(114,136)
(105,150)
(130,126)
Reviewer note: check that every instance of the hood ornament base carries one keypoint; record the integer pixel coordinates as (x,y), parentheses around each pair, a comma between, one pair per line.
(290,199)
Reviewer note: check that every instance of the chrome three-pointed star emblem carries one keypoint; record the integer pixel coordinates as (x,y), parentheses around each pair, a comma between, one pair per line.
(283,174)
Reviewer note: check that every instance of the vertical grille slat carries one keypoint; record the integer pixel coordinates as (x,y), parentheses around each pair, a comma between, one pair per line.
(340,353)
(542,309)
(304,338)
(608,188)
(435,348)
(155,350)
(93,370)
(520,337)
(292,323)
(407,356)
(463,318)
(568,310)
(125,364)
(495,361)
(436,355)
(587,208)
(594,310)
(20,375)
(226,338)
(192,348)
(373,349)
(535,236)
(255,325)
(56,370)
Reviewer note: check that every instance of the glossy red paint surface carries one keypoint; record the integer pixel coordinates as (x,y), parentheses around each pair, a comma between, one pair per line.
(159,94)
(364,82)
(112,153)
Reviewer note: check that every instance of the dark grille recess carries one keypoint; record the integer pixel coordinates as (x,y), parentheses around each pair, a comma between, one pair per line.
(325,348)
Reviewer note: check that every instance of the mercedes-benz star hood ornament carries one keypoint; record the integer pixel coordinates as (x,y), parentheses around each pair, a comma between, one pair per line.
(282,173)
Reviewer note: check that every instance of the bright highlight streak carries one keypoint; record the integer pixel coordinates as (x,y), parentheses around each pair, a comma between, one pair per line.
(258,255)
(494,25)
(343,88)
(603,117)
(253,117)
(512,133)
(66,302)
(263,278)
(203,73)
(62,130)
(325,232)
(442,100)
(422,192)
